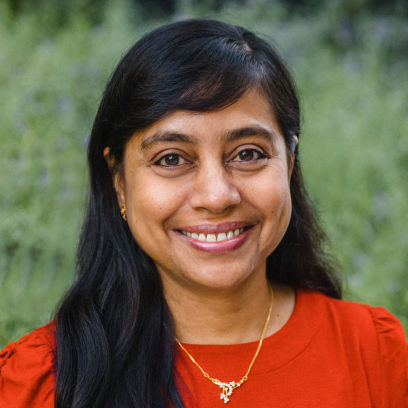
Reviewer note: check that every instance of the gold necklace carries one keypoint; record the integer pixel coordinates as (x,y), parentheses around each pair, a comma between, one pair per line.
(227,388)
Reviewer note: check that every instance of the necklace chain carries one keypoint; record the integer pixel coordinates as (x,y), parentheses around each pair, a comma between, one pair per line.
(227,388)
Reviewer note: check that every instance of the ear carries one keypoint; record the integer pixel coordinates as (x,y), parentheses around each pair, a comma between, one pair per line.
(291,163)
(116,177)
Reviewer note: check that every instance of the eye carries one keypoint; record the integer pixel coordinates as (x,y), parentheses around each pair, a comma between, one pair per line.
(171,160)
(248,155)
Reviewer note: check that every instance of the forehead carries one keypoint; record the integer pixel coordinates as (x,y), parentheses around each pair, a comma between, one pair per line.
(252,114)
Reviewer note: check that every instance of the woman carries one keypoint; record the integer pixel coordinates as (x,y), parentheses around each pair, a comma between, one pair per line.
(202,278)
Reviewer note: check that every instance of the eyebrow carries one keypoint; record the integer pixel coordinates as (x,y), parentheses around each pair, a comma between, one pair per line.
(228,137)
(248,131)
(167,137)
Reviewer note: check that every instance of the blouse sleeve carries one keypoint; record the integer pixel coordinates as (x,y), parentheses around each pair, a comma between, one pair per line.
(394,358)
(26,373)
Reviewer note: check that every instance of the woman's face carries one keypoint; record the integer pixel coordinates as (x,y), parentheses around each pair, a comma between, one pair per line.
(207,194)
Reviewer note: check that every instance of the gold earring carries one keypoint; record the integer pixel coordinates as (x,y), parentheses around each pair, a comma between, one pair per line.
(123,212)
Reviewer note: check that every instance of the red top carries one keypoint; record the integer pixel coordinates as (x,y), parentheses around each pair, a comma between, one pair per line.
(330,353)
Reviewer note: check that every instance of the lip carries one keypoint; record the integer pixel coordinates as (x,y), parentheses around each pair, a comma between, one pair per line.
(215,229)
(217,247)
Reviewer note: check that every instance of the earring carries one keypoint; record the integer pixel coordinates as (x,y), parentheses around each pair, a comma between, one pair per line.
(123,212)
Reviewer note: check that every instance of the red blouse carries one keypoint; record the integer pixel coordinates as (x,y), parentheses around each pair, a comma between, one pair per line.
(27,371)
(330,353)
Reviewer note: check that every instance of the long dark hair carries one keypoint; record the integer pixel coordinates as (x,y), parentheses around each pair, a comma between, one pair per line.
(114,330)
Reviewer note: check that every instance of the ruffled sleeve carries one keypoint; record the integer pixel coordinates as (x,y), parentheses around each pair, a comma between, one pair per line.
(27,371)
(394,358)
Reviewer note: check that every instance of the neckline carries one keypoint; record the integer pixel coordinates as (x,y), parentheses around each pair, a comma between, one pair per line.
(277,349)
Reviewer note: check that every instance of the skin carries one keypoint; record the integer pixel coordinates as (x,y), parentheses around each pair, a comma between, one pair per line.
(202,181)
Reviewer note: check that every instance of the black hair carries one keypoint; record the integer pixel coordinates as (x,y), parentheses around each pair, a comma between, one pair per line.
(115,344)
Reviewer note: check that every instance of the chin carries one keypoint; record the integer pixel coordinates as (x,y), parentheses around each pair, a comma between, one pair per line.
(221,278)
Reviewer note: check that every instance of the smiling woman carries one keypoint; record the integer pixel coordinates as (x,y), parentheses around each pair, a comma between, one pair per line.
(227,173)
(201,263)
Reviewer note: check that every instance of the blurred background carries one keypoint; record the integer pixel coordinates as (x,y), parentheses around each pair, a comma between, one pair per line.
(350,62)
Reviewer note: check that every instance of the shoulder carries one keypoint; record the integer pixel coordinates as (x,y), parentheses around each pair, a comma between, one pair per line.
(371,336)
(360,318)
(27,370)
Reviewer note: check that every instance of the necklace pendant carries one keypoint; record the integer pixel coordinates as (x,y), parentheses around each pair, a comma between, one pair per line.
(227,389)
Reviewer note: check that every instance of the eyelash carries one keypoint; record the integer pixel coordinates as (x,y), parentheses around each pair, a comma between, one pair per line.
(260,155)
(163,158)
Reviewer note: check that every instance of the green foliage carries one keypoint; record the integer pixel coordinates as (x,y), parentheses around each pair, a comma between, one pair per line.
(354,145)
(58,12)
(355,159)
(50,89)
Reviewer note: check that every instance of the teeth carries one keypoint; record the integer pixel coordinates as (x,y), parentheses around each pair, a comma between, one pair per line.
(214,237)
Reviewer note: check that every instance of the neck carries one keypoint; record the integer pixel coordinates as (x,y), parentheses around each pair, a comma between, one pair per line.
(231,316)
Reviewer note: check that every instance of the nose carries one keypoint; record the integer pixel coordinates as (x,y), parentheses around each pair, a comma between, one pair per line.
(214,190)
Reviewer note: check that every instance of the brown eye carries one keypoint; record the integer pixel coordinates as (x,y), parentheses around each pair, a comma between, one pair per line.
(246,155)
(172,160)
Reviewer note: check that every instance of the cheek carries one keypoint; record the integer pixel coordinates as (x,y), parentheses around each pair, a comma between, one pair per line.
(270,197)
(277,210)
(277,218)
(270,194)
(151,202)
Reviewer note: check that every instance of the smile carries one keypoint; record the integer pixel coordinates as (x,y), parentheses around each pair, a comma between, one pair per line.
(216,239)
(223,236)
